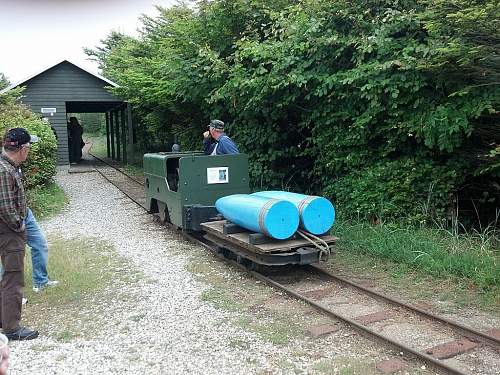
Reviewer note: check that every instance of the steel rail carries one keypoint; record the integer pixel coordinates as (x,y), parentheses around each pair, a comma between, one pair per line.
(431,361)
(464,330)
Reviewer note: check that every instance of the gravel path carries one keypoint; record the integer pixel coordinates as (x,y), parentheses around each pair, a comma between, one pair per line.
(165,328)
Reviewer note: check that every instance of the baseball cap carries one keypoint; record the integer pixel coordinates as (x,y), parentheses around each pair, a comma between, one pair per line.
(217,124)
(16,137)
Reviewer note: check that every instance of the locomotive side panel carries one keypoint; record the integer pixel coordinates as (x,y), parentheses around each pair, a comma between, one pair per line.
(204,179)
(161,192)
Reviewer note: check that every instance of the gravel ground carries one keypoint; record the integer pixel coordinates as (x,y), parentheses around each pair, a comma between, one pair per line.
(158,323)
(177,334)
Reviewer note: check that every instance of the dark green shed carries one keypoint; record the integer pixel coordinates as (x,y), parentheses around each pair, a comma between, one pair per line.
(67,88)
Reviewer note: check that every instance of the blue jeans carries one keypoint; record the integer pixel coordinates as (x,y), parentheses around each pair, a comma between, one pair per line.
(39,249)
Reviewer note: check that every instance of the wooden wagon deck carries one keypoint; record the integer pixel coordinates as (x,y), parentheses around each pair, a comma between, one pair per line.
(243,238)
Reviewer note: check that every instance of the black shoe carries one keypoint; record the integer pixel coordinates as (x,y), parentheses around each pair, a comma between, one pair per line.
(22,333)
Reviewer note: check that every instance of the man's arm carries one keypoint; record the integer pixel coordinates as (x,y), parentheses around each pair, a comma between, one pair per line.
(227,146)
(208,146)
(8,195)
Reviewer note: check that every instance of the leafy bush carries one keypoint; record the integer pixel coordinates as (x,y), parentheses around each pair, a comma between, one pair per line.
(40,167)
(384,190)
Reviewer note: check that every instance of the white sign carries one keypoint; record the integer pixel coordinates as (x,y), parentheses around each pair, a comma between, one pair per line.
(49,110)
(218,175)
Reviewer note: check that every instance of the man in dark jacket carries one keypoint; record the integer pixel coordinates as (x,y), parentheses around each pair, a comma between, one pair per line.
(216,142)
(16,146)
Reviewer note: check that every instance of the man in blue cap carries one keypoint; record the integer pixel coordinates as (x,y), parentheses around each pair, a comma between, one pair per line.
(13,211)
(216,142)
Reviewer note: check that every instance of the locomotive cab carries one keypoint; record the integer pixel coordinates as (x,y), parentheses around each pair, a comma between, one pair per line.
(182,187)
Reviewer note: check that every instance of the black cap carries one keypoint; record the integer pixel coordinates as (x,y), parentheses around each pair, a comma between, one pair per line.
(217,125)
(16,137)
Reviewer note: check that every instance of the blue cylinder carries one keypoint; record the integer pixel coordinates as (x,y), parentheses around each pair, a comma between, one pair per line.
(275,218)
(317,214)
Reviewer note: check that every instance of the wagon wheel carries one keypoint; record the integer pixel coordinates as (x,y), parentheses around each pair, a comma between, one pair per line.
(163,212)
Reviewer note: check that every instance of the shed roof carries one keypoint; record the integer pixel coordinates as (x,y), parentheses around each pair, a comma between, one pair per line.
(19,83)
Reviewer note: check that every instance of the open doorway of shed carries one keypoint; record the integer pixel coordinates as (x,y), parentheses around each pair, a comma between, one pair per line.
(91,116)
(91,135)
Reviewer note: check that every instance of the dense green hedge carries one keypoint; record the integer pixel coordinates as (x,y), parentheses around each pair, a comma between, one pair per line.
(388,107)
(40,167)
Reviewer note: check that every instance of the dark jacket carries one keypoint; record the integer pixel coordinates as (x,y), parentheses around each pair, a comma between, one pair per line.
(225,146)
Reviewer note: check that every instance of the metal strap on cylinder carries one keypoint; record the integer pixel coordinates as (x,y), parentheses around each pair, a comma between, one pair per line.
(304,202)
(262,215)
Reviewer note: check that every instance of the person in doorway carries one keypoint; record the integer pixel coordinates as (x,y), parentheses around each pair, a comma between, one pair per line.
(16,146)
(216,142)
(75,140)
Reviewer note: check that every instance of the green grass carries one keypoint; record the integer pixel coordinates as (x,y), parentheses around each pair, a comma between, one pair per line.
(218,298)
(275,329)
(471,260)
(77,274)
(47,201)
(99,147)
(65,311)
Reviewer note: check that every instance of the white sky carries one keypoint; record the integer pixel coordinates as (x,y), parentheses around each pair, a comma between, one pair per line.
(35,34)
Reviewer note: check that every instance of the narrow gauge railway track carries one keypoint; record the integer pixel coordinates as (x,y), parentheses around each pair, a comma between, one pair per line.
(333,296)
(321,288)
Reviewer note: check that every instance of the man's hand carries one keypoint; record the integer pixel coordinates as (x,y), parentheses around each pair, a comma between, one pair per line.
(206,134)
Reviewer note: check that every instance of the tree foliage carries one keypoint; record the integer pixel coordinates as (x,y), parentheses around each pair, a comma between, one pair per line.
(388,107)
(4,82)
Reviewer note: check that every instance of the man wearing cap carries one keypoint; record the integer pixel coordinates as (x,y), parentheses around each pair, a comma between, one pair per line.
(216,142)
(16,146)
